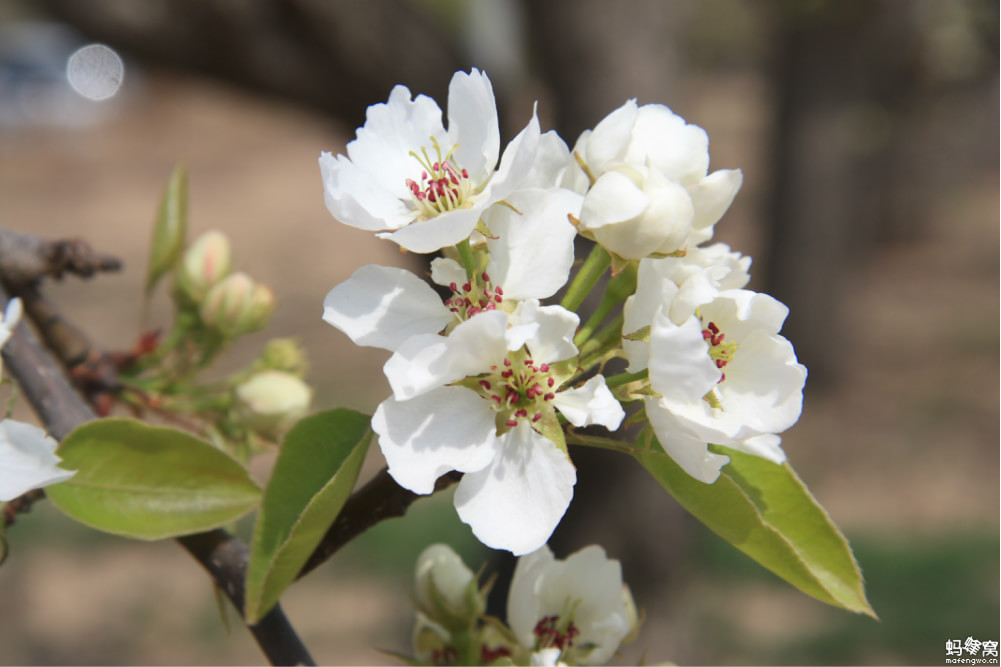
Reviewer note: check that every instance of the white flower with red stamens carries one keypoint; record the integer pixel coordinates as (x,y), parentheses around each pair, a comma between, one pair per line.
(645,175)
(426,187)
(576,610)
(483,401)
(725,376)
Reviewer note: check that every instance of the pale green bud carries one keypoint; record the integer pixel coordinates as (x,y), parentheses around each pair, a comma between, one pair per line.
(284,354)
(205,263)
(270,402)
(236,305)
(446,589)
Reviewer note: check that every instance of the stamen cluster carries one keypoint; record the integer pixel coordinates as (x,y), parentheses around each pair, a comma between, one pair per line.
(721,353)
(519,389)
(474,296)
(548,633)
(443,187)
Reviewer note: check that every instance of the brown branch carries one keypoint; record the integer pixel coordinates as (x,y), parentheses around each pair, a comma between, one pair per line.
(24,258)
(222,555)
(381,498)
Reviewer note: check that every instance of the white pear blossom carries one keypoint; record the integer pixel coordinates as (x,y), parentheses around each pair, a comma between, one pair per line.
(681,284)
(27,460)
(725,376)
(27,455)
(482,401)
(615,165)
(424,186)
(575,611)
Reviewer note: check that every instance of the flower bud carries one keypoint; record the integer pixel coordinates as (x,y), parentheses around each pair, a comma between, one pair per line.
(205,263)
(284,354)
(446,589)
(271,401)
(236,305)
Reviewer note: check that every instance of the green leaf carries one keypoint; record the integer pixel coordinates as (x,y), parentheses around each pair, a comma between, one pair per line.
(312,478)
(149,482)
(170,228)
(763,509)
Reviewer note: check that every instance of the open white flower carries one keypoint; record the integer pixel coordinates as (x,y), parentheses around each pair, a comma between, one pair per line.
(27,460)
(619,155)
(482,401)
(426,187)
(576,609)
(726,377)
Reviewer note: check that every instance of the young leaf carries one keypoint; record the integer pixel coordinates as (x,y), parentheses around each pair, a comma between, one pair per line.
(170,228)
(148,482)
(763,509)
(315,471)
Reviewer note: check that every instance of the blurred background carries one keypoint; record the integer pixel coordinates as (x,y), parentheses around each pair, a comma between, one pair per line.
(867,131)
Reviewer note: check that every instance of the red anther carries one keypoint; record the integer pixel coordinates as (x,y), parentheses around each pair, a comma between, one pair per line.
(424,175)
(537,388)
(496,398)
(465,174)
(453,287)
(466,287)
(714,340)
(512,397)
(500,290)
(436,166)
(521,413)
(472,311)
(706,334)
(537,417)
(493,368)
(498,298)
(484,384)
(511,422)
(529,362)
(506,374)
(548,397)
(490,306)
(467,301)
(720,363)
(544,368)
(719,338)
(713,327)
(551,382)
(722,377)
(507,362)
(486,278)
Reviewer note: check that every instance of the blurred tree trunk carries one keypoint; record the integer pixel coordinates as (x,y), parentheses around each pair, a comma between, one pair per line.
(335,57)
(843,73)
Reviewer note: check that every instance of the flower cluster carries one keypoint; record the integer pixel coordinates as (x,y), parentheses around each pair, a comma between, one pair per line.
(491,381)
(575,611)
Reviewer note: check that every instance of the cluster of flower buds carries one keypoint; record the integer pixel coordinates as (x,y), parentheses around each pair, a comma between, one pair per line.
(574,612)
(492,381)
(228,303)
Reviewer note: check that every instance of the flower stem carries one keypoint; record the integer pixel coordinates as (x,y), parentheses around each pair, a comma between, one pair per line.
(586,278)
(466,255)
(618,290)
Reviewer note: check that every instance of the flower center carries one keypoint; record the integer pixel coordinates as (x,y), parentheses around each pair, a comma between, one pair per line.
(518,389)
(720,352)
(550,632)
(443,187)
(474,296)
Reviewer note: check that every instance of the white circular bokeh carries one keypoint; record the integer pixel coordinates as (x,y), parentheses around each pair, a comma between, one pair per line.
(95,71)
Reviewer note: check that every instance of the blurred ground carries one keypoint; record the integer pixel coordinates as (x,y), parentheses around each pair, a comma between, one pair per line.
(903,453)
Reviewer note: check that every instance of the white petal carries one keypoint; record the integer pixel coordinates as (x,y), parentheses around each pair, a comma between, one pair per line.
(356,198)
(440,566)
(610,137)
(613,198)
(433,234)
(555,328)
(424,362)
(681,369)
(653,290)
(713,195)
(663,139)
(516,501)
(518,164)
(532,252)
(446,271)
(523,604)
(689,452)
(472,121)
(381,306)
(767,446)
(27,459)
(448,428)
(592,403)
